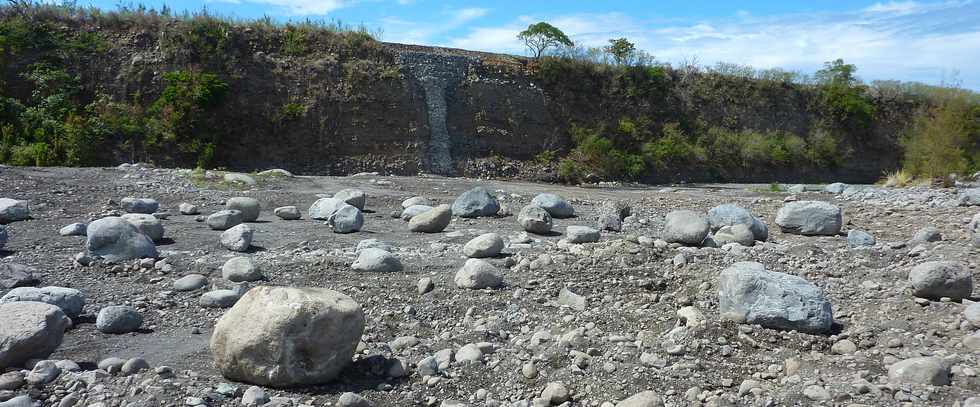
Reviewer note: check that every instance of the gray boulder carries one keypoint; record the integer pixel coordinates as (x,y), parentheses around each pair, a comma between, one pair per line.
(748,293)
(352,197)
(860,238)
(114,239)
(930,370)
(238,238)
(241,269)
(13,210)
(3,236)
(190,282)
(13,275)
(219,299)
(287,337)
(581,234)
(535,219)
(485,245)
(796,189)
(70,300)
(139,205)
(373,244)
(927,234)
(937,279)
(411,211)
(74,229)
(29,330)
(349,399)
(346,219)
(731,215)
(969,197)
(738,233)
(477,274)
(415,200)
(556,206)
(20,401)
(239,178)
(324,207)
(225,219)
(474,203)
(647,398)
(249,207)
(376,260)
(835,188)
(432,221)
(148,225)
(188,209)
(287,213)
(810,218)
(685,227)
(118,319)
(612,214)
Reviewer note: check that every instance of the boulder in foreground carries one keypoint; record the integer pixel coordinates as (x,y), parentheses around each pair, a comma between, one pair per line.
(434,220)
(29,330)
(115,239)
(810,218)
(749,293)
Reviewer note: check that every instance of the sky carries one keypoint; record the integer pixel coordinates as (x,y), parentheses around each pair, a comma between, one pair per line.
(935,42)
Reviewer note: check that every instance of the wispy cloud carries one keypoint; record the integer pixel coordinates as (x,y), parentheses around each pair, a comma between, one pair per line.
(427,32)
(299,7)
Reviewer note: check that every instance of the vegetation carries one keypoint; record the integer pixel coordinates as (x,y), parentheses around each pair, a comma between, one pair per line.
(945,139)
(541,36)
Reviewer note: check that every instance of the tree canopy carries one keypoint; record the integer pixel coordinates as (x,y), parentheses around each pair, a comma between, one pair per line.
(541,36)
(623,51)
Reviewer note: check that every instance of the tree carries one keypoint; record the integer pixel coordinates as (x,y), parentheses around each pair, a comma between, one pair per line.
(623,51)
(541,36)
(837,73)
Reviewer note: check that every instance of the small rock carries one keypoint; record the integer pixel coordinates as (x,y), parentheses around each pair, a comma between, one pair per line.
(287,213)
(241,269)
(118,319)
(237,238)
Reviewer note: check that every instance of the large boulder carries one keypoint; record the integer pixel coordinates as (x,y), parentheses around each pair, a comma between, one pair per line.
(324,207)
(29,330)
(581,234)
(731,215)
(352,197)
(346,219)
(225,219)
(535,219)
(685,227)
(485,245)
(148,225)
(410,212)
(929,371)
(118,319)
(74,229)
(249,207)
(475,203)
(478,274)
(241,269)
(612,214)
(238,238)
(139,205)
(70,300)
(556,206)
(285,337)
(810,218)
(937,279)
(415,200)
(114,239)
(376,260)
(13,275)
(749,293)
(969,197)
(739,233)
(13,210)
(433,221)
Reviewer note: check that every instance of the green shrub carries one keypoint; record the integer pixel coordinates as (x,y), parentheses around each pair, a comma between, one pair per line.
(291,111)
(546,157)
(673,148)
(945,139)
(295,40)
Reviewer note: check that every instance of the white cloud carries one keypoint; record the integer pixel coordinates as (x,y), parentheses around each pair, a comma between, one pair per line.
(299,7)
(900,7)
(399,30)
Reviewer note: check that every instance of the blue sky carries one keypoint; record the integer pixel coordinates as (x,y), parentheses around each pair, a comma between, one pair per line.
(927,41)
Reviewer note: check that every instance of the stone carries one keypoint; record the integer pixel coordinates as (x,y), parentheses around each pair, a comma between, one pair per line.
(148,206)
(13,275)
(937,279)
(241,269)
(324,207)
(29,330)
(572,300)
(219,299)
(750,294)
(239,178)
(810,218)
(118,319)
(433,221)
(286,337)
(843,347)
(483,246)
(237,238)
(796,189)
(3,236)
(411,211)
(346,219)
(376,260)
(738,233)
(816,393)
(534,219)
(969,197)
(556,206)
(288,213)
(581,234)
(425,285)
(188,209)
(11,380)
(731,215)
(74,229)
(249,207)
(19,401)
(134,366)
(555,393)
(373,244)
(69,300)
(859,238)
(477,202)
(148,225)
(477,274)
(685,227)
(612,214)
(224,219)
(275,172)
(114,239)
(349,399)
(415,200)
(972,314)
(254,396)
(647,398)
(927,370)
(927,234)
(352,197)
(835,188)
(190,282)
